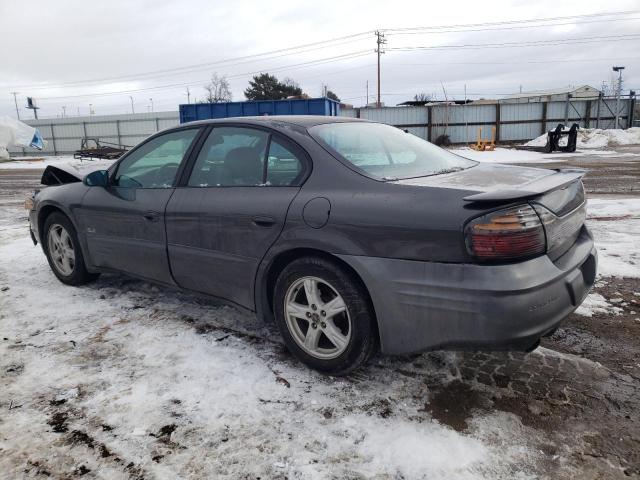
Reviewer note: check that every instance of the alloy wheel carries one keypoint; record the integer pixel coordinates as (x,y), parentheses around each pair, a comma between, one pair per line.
(317,317)
(61,249)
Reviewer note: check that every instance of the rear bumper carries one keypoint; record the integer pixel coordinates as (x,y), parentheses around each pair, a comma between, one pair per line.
(427,305)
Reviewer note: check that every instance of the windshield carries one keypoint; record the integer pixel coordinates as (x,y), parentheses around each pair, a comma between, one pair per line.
(385,152)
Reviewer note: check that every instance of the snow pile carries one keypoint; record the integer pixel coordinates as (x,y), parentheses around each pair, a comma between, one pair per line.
(592,138)
(506,155)
(596,303)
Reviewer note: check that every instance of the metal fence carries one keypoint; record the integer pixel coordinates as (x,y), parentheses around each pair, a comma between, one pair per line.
(64,135)
(514,122)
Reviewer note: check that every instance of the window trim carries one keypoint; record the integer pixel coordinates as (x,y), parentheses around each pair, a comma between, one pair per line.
(296,149)
(113,170)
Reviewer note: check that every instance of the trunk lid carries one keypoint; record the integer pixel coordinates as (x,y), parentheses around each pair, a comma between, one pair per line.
(557,195)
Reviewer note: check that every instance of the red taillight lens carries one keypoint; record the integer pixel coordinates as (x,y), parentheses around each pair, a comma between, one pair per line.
(507,234)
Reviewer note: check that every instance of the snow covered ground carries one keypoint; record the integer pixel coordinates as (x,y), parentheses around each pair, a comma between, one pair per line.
(122,379)
(512,155)
(615,224)
(165,384)
(40,162)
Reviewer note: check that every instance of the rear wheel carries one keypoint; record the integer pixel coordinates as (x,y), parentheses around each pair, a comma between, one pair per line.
(63,251)
(324,315)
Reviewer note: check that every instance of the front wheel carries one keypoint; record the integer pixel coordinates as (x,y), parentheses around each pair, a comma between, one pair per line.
(63,251)
(325,316)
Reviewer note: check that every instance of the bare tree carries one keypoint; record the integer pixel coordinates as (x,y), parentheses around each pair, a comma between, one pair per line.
(218,90)
(422,97)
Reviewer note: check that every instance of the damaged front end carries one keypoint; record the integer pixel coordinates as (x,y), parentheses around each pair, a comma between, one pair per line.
(71,172)
(57,175)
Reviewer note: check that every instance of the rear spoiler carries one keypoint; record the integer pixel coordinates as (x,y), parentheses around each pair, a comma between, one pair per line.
(564,176)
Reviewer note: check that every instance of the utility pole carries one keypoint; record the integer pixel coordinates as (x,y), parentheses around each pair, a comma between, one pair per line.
(618,92)
(64,111)
(15,100)
(366,104)
(151,100)
(380,40)
(188,95)
(131,98)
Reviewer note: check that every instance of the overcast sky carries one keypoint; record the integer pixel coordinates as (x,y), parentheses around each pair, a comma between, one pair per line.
(76,53)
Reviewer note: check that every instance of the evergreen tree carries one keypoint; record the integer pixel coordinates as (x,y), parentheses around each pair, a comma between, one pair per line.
(268,87)
(332,96)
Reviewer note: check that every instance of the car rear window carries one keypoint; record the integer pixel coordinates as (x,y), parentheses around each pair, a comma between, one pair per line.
(384,152)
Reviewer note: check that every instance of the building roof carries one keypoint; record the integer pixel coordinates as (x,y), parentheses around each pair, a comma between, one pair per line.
(553,91)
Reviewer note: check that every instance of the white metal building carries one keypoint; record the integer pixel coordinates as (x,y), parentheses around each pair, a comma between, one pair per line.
(585,92)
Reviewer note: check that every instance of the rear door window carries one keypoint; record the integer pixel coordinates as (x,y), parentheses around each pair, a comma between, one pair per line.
(245,157)
(231,156)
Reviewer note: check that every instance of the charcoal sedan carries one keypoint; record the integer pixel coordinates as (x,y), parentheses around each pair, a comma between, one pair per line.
(351,235)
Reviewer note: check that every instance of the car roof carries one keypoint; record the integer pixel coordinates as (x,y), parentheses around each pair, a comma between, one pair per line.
(304,121)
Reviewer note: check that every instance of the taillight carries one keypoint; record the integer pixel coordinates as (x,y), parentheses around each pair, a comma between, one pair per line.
(508,234)
(561,231)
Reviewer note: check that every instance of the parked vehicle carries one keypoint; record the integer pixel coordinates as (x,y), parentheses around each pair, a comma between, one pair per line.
(351,235)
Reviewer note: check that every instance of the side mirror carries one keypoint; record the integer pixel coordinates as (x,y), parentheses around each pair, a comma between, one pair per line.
(99,178)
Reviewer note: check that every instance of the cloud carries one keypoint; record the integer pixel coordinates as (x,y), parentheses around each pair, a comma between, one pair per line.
(73,41)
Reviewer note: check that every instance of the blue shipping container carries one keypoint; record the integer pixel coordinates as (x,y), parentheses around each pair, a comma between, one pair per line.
(310,106)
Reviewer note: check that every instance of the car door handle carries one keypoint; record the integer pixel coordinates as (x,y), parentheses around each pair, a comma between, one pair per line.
(151,216)
(264,221)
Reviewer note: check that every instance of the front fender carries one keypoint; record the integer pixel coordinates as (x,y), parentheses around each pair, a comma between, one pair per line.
(66,199)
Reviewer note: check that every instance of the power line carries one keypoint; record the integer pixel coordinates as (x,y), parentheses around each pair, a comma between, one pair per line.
(238,61)
(322,61)
(558,60)
(546,25)
(322,43)
(511,22)
(532,43)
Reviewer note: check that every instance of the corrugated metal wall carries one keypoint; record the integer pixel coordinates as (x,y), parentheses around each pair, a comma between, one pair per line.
(64,135)
(517,122)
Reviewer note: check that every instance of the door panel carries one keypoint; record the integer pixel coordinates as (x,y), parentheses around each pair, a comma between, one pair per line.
(217,236)
(124,228)
(220,226)
(124,223)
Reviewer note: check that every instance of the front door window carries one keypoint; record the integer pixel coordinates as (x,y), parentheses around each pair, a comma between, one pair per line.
(155,164)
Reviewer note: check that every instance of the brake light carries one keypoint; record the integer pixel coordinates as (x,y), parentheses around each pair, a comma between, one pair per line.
(561,231)
(508,234)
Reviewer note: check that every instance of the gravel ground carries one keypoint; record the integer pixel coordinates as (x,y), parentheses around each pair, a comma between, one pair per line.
(106,385)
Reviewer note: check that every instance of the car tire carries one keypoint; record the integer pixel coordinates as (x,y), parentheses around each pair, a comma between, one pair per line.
(62,248)
(335,332)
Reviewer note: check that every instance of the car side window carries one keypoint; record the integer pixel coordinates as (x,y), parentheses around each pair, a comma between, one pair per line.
(231,156)
(155,164)
(283,166)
